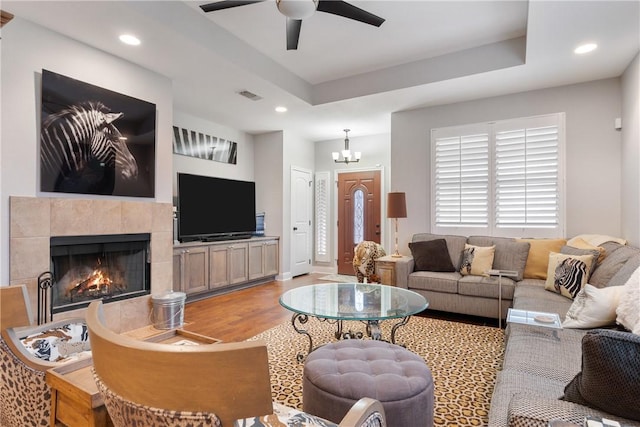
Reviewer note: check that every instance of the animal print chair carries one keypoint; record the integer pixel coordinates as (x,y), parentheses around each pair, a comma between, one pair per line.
(26,354)
(222,385)
(364,256)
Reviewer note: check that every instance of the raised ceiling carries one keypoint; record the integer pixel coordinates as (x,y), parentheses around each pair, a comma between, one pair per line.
(346,74)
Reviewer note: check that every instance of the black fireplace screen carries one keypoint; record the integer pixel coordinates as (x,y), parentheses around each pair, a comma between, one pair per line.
(106,267)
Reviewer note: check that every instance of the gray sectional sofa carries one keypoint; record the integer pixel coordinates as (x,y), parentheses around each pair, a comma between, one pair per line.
(541,365)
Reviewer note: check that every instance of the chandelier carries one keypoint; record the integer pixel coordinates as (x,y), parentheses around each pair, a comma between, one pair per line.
(346,153)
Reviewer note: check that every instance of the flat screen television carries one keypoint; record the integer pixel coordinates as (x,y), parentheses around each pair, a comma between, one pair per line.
(212,208)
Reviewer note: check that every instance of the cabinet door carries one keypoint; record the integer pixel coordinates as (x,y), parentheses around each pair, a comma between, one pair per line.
(270,254)
(256,260)
(218,266)
(196,269)
(178,270)
(238,263)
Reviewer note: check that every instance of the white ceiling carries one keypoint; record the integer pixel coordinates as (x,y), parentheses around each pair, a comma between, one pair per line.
(346,74)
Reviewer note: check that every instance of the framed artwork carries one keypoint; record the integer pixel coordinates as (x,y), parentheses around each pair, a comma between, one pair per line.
(94,140)
(197,144)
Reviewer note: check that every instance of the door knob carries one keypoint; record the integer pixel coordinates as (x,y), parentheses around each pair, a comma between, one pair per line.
(295,228)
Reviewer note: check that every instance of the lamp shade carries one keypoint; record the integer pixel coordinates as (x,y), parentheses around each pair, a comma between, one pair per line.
(396,205)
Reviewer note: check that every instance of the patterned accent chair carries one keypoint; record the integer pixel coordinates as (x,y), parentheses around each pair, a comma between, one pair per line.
(25,397)
(222,385)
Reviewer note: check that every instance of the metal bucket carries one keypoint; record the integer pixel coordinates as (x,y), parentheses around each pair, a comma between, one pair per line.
(168,310)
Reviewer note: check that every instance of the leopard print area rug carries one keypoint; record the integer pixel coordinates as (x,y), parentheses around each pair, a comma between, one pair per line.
(463,359)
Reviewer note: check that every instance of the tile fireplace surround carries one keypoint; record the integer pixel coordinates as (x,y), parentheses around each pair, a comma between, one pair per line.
(35,219)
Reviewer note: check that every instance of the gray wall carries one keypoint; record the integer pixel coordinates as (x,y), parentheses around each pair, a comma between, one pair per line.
(631,152)
(593,151)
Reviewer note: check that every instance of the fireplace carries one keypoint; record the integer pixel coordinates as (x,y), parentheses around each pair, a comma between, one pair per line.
(106,267)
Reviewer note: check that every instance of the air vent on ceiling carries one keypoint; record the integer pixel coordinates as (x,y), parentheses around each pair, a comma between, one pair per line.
(252,96)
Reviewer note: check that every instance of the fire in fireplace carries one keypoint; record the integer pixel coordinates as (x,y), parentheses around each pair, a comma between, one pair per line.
(107,267)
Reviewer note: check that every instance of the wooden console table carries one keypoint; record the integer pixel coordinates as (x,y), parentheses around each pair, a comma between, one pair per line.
(75,400)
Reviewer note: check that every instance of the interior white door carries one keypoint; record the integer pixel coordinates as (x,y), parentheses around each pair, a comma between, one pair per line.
(301,238)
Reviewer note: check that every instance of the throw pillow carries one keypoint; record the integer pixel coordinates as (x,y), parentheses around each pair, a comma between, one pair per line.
(567,274)
(477,260)
(538,258)
(610,375)
(431,255)
(628,311)
(593,307)
(580,243)
(57,344)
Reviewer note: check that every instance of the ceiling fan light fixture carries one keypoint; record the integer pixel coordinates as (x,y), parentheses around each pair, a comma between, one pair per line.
(297,9)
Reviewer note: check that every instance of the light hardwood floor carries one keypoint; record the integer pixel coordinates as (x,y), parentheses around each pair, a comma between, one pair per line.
(241,314)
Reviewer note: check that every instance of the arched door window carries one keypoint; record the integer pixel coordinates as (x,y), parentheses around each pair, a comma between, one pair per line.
(358,216)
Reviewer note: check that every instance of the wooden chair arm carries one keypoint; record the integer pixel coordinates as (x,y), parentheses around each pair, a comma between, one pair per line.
(360,411)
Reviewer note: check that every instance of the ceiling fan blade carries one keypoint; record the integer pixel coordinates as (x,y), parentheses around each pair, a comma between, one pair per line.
(226,4)
(293,33)
(344,9)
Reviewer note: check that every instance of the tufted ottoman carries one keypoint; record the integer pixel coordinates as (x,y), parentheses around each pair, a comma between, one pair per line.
(336,375)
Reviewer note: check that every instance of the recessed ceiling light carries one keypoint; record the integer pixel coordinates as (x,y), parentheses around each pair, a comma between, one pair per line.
(129,39)
(281,109)
(585,48)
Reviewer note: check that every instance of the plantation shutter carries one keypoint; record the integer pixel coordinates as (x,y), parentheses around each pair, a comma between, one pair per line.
(322,217)
(461,181)
(527,173)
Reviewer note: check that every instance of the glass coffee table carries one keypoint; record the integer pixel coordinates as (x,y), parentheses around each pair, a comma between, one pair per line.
(339,302)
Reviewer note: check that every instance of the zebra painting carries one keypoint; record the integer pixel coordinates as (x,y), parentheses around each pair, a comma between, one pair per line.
(81,150)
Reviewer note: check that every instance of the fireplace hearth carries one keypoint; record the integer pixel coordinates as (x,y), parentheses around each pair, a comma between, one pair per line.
(106,267)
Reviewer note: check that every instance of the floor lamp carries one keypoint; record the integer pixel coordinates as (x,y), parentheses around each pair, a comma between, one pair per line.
(396,208)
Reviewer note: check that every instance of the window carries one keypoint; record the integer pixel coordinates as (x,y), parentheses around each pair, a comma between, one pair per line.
(322,217)
(502,178)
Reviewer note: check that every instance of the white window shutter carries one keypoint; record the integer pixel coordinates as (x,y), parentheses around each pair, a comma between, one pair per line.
(461,180)
(527,173)
(322,189)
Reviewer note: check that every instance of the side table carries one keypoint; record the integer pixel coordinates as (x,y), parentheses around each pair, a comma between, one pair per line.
(386,269)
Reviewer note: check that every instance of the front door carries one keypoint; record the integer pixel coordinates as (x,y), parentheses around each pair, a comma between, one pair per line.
(358,214)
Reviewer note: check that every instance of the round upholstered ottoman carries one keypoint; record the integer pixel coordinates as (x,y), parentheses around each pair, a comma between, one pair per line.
(338,374)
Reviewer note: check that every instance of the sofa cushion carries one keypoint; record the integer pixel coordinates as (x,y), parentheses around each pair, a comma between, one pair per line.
(434,281)
(594,253)
(593,307)
(538,259)
(431,255)
(486,287)
(509,255)
(531,295)
(476,260)
(610,375)
(567,274)
(455,244)
(628,311)
(611,265)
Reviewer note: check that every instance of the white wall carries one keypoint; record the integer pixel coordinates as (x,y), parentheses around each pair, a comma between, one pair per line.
(631,152)
(375,151)
(242,170)
(26,50)
(593,153)
(269,167)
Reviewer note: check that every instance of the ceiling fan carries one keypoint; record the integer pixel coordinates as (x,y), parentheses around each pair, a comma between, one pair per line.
(297,10)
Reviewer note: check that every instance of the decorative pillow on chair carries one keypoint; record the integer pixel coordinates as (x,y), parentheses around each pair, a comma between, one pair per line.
(477,260)
(610,376)
(431,255)
(593,307)
(567,274)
